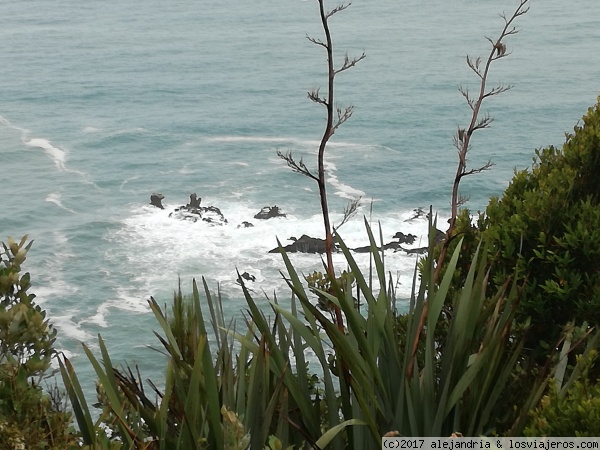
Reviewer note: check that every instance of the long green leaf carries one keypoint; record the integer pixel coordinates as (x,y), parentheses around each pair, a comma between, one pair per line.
(78,401)
(330,434)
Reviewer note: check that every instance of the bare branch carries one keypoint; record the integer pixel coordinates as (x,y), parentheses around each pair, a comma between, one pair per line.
(348,63)
(337,9)
(497,90)
(316,41)
(487,166)
(315,97)
(342,116)
(475,65)
(484,122)
(349,211)
(296,166)
(462,199)
(465,93)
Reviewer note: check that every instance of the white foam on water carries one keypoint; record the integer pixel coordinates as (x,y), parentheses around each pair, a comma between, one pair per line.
(342,190)
(52,283)
(56,154)
(55,198)
(69,328)
(307,143)
(127,299)
(124,183)
(157,250)
(100,317)
(248,139)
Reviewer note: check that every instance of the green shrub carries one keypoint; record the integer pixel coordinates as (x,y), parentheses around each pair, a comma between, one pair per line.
(545,225)
(29,417)
(569,412)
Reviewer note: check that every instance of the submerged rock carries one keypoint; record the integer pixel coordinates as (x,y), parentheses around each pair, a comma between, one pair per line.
(389,246)
(268,212)
(209,214)
(394,245)
(245,224)
(305,244)
(415,251)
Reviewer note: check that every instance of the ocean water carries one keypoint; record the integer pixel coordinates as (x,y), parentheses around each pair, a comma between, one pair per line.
(103,103)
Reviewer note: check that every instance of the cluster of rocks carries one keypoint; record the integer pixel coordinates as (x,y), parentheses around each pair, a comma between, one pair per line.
(193,212)
(394,245)
(269,212)
(305,244)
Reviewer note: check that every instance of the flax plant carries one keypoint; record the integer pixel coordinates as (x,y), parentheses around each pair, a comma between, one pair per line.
(230,386)
(458,382)
(213,397)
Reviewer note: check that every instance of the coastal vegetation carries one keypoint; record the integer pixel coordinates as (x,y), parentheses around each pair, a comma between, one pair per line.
(499,338)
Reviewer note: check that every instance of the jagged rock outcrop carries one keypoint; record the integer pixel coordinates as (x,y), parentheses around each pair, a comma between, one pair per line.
(156,200)
(194,201)
(193,212)
(305,244)
(246,276)
(269,212)
(209,214)
(418,213)
(405,238)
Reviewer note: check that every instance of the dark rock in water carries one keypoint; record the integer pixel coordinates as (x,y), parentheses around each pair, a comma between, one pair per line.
(245,224)
(405,238)
(389,246)
(417,251)
(209,214)
(394,245)
(156,200)
(246,276)
(440,236)
(418,213)
(305,244)
(194,201)
(269,212)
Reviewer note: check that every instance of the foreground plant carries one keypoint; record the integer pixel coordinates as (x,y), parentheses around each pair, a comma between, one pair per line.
(30,417)
(260,392)
(213,397)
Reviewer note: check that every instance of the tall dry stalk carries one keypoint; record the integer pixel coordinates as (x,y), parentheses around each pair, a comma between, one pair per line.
(462,138)
(336,116)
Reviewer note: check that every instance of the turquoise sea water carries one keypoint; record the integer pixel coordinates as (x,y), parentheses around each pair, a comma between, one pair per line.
(103,103)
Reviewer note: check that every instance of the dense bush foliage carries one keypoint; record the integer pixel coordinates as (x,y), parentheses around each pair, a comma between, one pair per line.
(29,417)
(545,226)
(573,410)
